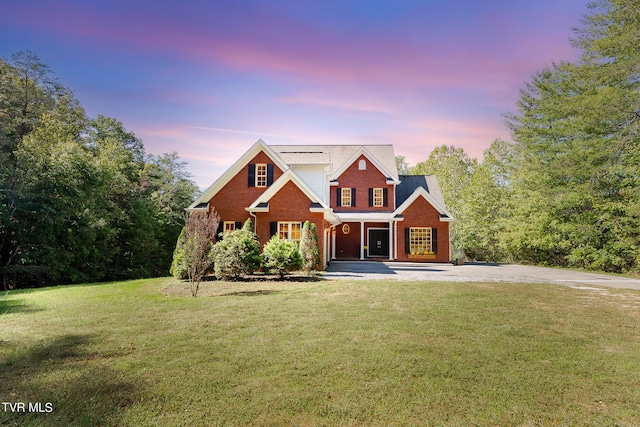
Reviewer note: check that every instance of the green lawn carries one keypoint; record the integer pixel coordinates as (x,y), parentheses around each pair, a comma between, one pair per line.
(321,353)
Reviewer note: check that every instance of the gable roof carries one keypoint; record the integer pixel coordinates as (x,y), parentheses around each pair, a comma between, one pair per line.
(256,148)
(261,204)
(413,186)
(339,156)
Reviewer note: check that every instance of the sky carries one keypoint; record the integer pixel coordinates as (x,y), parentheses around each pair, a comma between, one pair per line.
(208,78)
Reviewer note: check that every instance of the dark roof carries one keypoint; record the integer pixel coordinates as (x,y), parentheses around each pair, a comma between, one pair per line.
(408,184)
(201,205)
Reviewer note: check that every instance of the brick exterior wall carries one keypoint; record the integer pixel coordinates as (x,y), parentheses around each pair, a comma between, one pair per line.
(289,204)
(348,245)
(422,214)
(230,202)
(362,180)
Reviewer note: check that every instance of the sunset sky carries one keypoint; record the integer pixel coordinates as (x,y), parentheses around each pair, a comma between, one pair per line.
(209,78)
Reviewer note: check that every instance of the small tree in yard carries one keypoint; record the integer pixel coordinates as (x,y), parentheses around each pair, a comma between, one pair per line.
(199,233)
(237,253)
(178,267)
(309,248)
(280,256)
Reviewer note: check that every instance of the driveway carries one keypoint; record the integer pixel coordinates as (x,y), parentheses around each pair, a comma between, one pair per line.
(479,272)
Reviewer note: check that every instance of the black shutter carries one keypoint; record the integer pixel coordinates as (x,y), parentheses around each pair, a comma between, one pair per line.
(434,240)
(238,225)
(219,230)
(338,196)
(269,174)
(385,197)
(407,242)
(273,228)
(353,197)
(370,197)
(252,175)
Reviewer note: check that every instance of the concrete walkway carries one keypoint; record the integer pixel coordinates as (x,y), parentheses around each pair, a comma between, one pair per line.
(480,272)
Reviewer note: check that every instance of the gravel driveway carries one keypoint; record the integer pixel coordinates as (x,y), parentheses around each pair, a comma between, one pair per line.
(482,272)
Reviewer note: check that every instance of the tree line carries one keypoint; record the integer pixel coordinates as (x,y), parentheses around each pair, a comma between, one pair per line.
(566,192)
(80,201)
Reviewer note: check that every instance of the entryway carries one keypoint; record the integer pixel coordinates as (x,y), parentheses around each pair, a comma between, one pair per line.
(378,242)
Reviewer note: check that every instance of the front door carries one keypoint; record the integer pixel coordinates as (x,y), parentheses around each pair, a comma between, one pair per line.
(379,242)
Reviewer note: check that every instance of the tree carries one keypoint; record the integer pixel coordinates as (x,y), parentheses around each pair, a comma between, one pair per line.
(576,194)
(237,253)
(199,234)
(484,204)
(454,170)
(309,247)
(402,165)
(169,188)
(178,267)
(280,256)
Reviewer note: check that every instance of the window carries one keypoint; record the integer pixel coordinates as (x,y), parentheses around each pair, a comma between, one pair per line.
(378,197)
(345,197)
(289,230)
(229,226)
(261,175)
(362,165)
(420,240)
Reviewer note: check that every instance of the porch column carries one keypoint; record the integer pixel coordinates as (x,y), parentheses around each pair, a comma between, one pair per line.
(395,233)
(390,240)
(361,240)
(333,243)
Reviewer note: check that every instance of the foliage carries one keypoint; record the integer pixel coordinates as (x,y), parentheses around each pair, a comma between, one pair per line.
(78,199)
(280,256)
(237,253)
(309,247)
(199,233)
(454,170)
(178,265)
(576,194)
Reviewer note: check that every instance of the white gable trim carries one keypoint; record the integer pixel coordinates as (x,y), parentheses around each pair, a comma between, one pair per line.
(289,175)
(421,192)
(259,146)
(363,151)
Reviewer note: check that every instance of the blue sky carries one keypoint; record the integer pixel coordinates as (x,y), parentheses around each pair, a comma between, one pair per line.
(208,78)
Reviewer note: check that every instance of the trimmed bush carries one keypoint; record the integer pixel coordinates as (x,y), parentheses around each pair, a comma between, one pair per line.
(237,254)
(280,256)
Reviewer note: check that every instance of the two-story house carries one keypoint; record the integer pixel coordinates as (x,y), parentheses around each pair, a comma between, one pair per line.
(353,194)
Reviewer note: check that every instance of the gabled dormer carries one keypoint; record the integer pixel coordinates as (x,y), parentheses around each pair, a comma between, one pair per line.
(363,183)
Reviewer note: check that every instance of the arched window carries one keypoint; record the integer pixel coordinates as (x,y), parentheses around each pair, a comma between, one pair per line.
(362,165)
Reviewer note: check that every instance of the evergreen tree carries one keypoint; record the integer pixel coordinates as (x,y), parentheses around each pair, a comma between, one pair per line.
(309,247)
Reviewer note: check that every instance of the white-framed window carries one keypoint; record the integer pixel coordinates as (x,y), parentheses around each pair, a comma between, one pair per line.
(289,230)
(261,175)
(345,197)
(229,226)
(420,240)
(362,165)
(378,197)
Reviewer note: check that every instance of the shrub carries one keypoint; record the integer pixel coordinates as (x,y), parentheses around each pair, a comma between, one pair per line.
(238,253)
(178,265)
(309,247)
(280,256)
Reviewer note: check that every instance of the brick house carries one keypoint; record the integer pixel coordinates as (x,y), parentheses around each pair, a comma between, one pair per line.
(353,194)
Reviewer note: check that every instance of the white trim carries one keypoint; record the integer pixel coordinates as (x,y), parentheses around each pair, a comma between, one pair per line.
(218,184)
(290,175)
(421,192)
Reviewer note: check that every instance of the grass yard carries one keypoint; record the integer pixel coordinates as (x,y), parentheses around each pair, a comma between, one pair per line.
(320,353)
